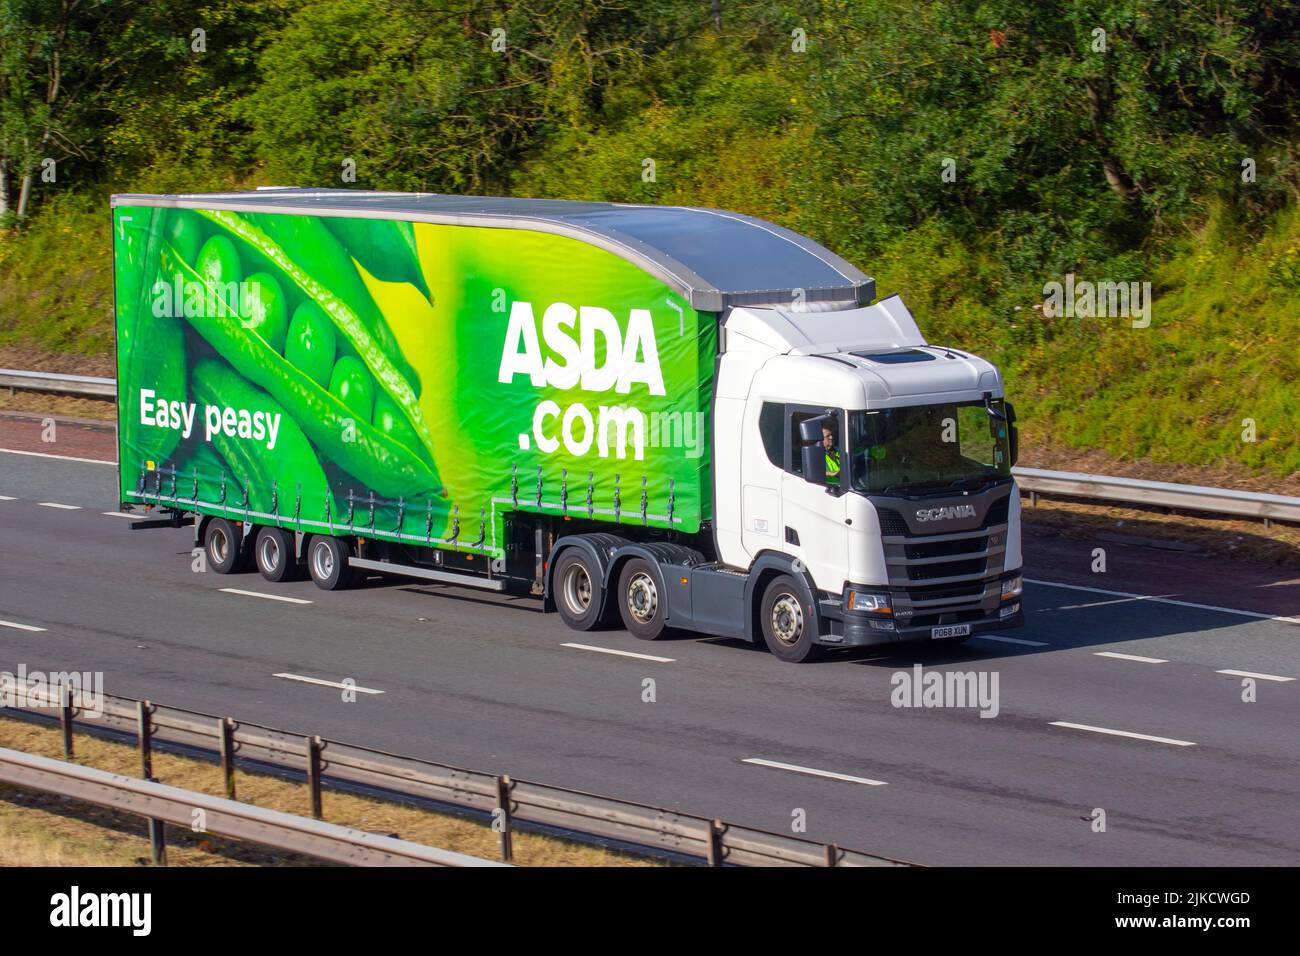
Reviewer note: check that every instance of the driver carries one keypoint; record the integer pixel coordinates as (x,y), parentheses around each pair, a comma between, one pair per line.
(832,455)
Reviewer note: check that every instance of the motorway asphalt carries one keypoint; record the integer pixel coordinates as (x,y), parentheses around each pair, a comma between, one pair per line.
(488,683)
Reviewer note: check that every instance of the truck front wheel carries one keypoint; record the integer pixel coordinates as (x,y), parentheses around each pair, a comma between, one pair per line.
(327,562)
(578,592)
(786,626)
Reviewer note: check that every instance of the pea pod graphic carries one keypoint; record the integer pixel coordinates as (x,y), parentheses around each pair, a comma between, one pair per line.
(380,461)
(151,347)
(305,239)
(273,476)
(331,271)
(385,247)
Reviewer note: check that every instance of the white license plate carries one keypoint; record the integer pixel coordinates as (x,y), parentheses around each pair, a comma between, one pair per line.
(952,630)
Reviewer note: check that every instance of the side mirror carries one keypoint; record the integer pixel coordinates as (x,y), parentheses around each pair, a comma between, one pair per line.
(812,456)
(814,463)
(810,429)
(1013,433)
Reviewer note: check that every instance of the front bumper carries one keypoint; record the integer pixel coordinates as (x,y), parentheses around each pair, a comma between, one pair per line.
(844,628)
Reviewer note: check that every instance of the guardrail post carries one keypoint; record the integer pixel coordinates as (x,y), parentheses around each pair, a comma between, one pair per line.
(226,730)
(832,854)
(157,842)
(314,747)
(65,717)
(144,732)
(716,829)
(504,786)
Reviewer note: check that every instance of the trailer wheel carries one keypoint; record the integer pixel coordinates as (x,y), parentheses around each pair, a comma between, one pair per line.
(327,562)
(642,600)
(786,628)
(273,551)
(223,541)
(578,592)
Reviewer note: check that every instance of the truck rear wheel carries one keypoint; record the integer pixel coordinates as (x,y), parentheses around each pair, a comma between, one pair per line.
(578,591)
(273,551)
(327,562)
(223,542)
(786,628)
(642,601)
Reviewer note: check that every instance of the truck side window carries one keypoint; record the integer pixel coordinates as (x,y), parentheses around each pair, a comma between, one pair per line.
(771,426)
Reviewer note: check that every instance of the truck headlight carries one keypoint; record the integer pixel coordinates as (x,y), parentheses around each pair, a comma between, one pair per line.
(1011,587)
(870,602)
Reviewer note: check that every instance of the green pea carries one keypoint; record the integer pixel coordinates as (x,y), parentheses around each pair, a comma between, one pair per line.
(185,233)
(218,266)
(389,420)
(311,344)
(264,309)
(354,386)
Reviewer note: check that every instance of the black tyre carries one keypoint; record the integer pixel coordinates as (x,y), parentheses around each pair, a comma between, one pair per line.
(642,601)
(327,562)
(788,627)
(223,540)
(578,591)
(273,551)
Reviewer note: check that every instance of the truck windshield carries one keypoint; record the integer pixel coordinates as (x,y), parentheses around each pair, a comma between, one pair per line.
(928,448)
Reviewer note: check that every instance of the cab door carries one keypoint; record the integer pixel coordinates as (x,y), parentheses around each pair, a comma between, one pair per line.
(814,516)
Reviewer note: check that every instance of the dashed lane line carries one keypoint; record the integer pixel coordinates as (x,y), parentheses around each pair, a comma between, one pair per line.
(327,683)
(813,772)
(1123,733)
(269,597)
(617,653)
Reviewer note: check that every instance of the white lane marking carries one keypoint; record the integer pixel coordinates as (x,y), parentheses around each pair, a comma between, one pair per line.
(41,454)
(327,683)
(1123,733)
(55,504)
(21,627)
(1079,607)
(1162,600)
(1232,673)
(1131,657)
(7,498)
(1009,640)
(759,762)
(121,514)
(269,597)
(610,650)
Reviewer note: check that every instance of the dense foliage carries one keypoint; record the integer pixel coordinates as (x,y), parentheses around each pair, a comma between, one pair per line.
(965,153)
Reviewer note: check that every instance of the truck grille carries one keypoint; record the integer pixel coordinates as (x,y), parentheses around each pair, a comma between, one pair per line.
(946,569)
(945,576)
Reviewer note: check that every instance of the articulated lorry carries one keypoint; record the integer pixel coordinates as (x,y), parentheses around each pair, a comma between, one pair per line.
(668,417)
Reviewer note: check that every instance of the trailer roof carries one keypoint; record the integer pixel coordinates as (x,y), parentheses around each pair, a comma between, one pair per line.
(714,259)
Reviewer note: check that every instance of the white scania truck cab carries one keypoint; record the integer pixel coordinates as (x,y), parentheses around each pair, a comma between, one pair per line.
(918,535)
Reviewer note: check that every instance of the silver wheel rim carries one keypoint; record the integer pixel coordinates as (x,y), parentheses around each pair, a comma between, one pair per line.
(322,561)
(787,620)
(270,553)
(577,590)
(220,545)
(642,598)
